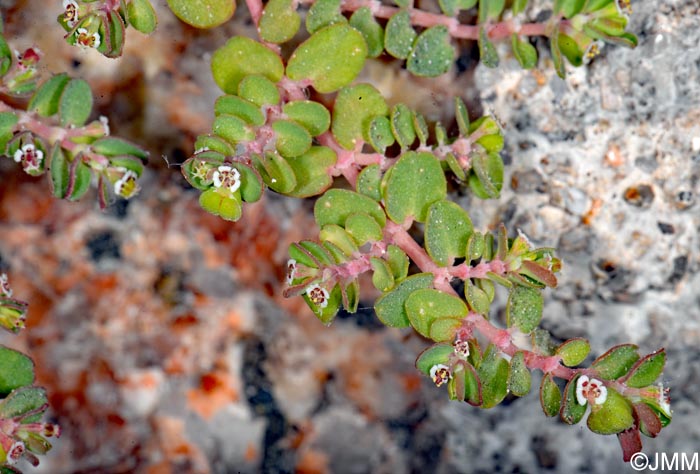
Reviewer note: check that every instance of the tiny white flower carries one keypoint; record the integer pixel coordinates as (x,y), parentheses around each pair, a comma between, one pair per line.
(30,156)
(590,390)
(664,400)
(15,452)
(440,374)
(5,289)
(461,348)
(70,11)
(227,177)
(126,186)
(105,123)
(89,40)
(291,270)
(318,295)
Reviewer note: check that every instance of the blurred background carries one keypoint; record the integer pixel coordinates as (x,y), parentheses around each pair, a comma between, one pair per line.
(160,332)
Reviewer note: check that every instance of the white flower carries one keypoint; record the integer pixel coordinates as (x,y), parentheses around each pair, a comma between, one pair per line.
(664,400)
(89,40)
(70,12)
(30,157)
(590,390)
(105,123)
(318,295)
(440,374)
(461,348)
(126,186)
(227,177)
(291,270)
(15,452)
(5,289)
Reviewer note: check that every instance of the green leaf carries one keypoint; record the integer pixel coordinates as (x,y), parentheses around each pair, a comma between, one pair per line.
(46,99)
(433,355)
(21,401)
(323,13)
(203,13)
(241,57)
(487,51)
(612,417)
(490,9)
(211,142)
(462,116)
(382,278)
(291,139)
(280,21)
(447,230)
(571,411)
(477,298)
(519,379)
(524,52)
(646,370)
(412,171)
(142,16)
(311,170)
(518,6)
(423,307)
(432,54)
(380,135)
(241,108)
(336,205)
(259,90)
(550,395)
(75,104)
(472,386)
(331,58)
(233,129)
(444,329)
(251,182)
(276,172)
(6,57)
(399,35)
(80,177)
(369,180)
(313,116)
(402,125)
(390,307)
(524,308)
(452,7)
(363,228)
(486,179)
(574,351)
(542,342)
(421,128)
(353,111)
(16,370)
(113,146)
(8,120)
(557,58)
(568,8)
(59,171)
(616,362)
(363,20)
(475,246)
(398,261)
(340,238)
(570,49)
(493,373)
(220,204)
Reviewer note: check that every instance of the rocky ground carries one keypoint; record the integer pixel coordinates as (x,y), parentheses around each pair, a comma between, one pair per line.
(166,346)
